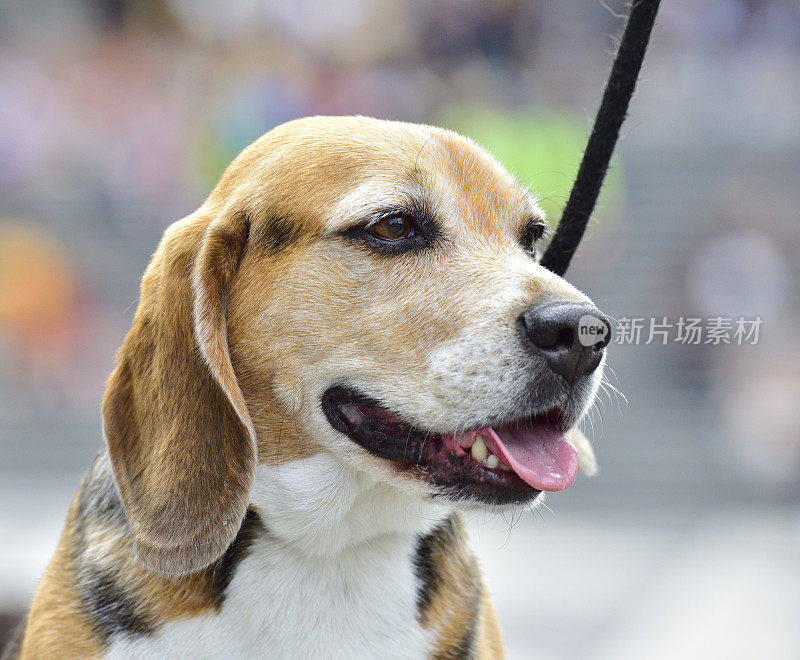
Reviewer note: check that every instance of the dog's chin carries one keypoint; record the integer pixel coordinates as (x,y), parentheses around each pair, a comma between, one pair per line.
(508,463)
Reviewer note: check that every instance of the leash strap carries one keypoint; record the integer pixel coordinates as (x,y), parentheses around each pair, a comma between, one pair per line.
(600,147)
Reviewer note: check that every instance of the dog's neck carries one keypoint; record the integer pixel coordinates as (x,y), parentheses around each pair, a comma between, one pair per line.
(335,567)
(321,507)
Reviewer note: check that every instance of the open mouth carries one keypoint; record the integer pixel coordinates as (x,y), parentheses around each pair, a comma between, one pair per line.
(501,464)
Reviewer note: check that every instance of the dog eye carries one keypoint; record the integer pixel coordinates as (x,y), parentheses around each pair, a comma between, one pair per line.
(533,232)
(393,228)
(394,231)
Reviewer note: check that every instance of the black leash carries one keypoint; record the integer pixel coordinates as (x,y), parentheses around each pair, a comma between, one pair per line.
(600,147)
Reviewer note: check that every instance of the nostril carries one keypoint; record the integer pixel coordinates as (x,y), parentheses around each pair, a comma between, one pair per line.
(564,339)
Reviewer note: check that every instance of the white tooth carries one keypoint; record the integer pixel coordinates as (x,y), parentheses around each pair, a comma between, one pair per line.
(505,467)
(479,451)
(492,461)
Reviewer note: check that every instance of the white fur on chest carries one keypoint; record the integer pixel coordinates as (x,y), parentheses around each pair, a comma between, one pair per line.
(333,578)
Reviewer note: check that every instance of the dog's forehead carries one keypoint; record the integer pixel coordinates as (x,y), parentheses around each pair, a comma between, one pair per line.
(482,194)
(450,177)
(328,172)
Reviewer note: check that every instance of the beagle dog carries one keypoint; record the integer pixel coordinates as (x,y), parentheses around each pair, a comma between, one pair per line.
(345,347)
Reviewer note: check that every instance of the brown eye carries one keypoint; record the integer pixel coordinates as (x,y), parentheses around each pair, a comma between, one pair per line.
(393,228)
(537,232)
(532,234)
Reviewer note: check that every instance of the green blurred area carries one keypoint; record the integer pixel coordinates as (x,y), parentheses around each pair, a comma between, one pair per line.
(542,149)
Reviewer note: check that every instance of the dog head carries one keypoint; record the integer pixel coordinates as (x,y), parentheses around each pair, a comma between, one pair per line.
(358,287)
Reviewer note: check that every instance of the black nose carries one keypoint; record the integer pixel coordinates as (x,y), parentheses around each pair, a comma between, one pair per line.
(570,336)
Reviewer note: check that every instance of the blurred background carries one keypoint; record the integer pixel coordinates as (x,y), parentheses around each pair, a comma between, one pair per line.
(117,117)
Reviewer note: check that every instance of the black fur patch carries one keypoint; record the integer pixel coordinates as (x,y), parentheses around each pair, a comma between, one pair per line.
(109,608)
(277,235)
(102,593)
(425,568)
(432,549)
(98,504)
(99,499)
(222,572)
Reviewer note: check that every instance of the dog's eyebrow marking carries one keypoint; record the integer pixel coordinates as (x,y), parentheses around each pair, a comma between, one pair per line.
(370,198)
(277,234)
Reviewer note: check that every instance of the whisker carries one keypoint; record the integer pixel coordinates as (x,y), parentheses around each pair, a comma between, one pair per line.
(611,369)
(615,390)
(543,504)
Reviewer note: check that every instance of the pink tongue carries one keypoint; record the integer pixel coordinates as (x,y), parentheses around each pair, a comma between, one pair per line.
(537,451)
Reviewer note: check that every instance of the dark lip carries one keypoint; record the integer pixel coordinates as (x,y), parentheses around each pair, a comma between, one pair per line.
(422,454)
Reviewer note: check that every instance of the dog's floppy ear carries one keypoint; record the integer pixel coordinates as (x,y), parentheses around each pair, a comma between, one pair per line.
(181,441)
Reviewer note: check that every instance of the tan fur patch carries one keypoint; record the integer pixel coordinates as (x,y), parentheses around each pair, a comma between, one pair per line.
(490,637)
(452,608)
(57,628)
